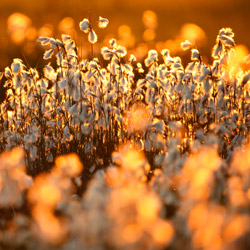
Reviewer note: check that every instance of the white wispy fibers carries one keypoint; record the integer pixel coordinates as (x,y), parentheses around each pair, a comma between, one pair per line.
(186,45)
(16,66)
(92,37)
(152,57)
(85,25)
(195,56)
(48,54)
(103,22)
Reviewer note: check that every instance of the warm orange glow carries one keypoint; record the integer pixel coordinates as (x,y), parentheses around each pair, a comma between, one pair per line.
(18,25)
(173,45)
(46,30)
(236,187)
(199,185)
(207,238)
(126,38)
(124,32)
(236,59)
(67,26)
(141,51)
(241,160)
(149,35)
(192,33)
(148,209)
(114,177)
(51,227)
(236,226)
(206,223)
(164,141)
(18,36)
(131,233)
(138,118)
(31,34)
(69,165)
(162,232)
(248,193)
(131,160)
(198,216)
(149,19)
(44,191)
(198,172)
(241,52)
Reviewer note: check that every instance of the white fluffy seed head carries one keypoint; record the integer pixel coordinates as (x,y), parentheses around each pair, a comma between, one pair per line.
(185,45)
(92,37)
(48,54)
(107,53)
(15,67)
(43,40)
(84,25)
(226,32)
(103,22)
(217,50)
(132,58)
(195,55)
(65,38)
(112,43)
(226,40)
(152,57)
(121,51)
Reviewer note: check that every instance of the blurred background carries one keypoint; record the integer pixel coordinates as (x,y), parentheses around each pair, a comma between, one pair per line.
(139,25)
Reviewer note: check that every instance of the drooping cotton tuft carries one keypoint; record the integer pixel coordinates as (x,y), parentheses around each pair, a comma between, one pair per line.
(48,54)
(43,40)
(92,37)
(65,38)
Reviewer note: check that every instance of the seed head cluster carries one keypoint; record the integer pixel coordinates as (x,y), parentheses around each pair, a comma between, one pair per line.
(109,152)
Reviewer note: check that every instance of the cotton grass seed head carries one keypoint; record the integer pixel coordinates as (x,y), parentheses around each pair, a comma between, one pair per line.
(65,38)
(195,55)
(92,37)
(103,22)
(48,54)
(85,25)
(152,57)
(16,66)
(226,32)
(185,45)
(121,51)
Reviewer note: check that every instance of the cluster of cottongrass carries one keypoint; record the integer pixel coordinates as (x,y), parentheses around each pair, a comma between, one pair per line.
(122,156)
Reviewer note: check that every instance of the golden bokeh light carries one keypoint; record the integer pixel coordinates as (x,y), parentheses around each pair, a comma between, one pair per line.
(51,228)
(67,26)
(193,33)
(124,136)
(69,165)
(19,27)
(149,35)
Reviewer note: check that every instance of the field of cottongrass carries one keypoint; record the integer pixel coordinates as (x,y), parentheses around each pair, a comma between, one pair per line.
(108,152)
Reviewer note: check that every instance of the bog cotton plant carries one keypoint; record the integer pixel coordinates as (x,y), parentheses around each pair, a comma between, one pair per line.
(172,118)
(185,45)
(86,27)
